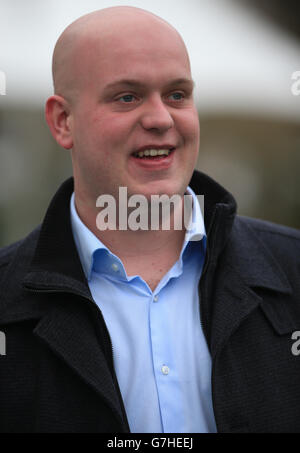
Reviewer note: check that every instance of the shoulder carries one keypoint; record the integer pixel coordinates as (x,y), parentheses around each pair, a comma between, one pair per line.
(23,248)
(265,228)
(282,240)
(7,252)
(269,230)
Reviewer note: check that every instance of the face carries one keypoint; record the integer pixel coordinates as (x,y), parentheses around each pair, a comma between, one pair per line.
(135,98)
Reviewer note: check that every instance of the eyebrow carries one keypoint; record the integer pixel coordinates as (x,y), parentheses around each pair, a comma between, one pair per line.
(132,83)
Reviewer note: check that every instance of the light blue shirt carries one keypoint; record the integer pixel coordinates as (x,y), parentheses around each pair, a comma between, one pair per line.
(160,354)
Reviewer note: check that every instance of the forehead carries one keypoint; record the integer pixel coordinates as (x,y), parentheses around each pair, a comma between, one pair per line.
(131,53)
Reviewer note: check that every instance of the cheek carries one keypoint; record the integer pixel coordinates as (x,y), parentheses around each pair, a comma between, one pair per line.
(112,130)
(105,141)
(188,126)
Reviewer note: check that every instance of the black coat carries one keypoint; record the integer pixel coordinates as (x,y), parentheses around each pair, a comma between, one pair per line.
(58,375)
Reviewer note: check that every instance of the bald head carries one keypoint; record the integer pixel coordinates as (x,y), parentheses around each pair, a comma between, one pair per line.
(86,39)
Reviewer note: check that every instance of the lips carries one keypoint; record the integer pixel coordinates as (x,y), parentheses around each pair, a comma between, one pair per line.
(152,164)
(153,151)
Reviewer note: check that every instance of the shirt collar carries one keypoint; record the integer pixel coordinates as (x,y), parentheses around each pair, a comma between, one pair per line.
(87,243)
(196,229)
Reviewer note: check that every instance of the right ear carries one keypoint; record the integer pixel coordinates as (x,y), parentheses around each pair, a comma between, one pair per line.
(57,114)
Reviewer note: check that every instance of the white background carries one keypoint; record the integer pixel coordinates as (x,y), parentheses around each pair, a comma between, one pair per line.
(240,62)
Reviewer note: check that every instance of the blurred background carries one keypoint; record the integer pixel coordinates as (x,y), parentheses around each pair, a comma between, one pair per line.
(243,55)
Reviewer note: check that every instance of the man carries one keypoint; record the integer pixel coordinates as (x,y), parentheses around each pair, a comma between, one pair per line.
(145,330)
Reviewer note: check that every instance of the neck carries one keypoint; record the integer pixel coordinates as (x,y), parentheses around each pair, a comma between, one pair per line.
(148,253)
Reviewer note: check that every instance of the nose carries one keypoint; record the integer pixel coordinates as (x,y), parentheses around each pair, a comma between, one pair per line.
(156,116)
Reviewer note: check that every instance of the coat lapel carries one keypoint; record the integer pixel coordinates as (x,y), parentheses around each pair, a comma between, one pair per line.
(54,292)
(246,269)
(74,333)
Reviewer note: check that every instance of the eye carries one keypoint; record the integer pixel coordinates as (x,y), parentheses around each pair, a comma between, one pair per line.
(177,96)
(127,98)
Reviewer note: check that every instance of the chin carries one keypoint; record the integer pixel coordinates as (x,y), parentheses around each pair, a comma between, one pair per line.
(167,190)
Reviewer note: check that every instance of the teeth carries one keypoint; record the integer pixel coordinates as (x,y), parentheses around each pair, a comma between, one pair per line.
(153,153)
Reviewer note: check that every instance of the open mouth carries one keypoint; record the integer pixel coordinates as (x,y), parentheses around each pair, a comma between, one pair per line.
(153,153)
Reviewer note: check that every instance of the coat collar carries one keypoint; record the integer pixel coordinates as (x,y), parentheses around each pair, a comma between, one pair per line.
(56,253)
(238,266)
(53,261)
(56,260)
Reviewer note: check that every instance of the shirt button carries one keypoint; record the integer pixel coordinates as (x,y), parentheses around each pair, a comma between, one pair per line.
(155,298)
(115,267)
(165,369)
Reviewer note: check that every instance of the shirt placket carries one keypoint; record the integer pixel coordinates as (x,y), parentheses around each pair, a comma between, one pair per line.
(165,369)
